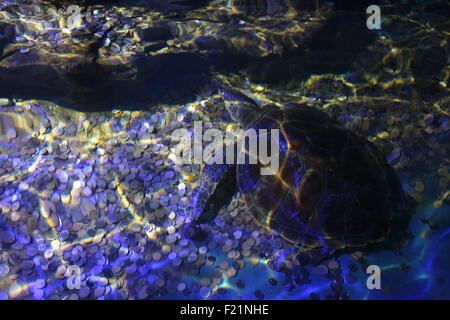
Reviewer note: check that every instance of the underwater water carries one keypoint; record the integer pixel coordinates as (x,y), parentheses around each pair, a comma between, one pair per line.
(93,202)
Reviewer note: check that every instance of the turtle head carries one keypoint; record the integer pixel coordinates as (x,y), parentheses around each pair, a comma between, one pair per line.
(240,108)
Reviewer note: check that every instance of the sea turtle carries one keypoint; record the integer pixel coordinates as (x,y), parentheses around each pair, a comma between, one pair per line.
(333,188)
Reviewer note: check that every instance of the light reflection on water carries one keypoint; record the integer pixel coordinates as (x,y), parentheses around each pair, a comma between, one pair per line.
(392,78)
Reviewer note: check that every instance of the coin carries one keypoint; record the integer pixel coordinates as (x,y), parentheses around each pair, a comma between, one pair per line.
(38,294)
(73,296)
(224,265)
(231,272)
(240,283)
(160,282)
(171,238)
(131,269)
(181,286)
(15,216)
(99,291)
(40,283)
(192,257)
(320,270)
(156,256)
(4,269)
(172,255)
(333,264)
(204,291)
(259,294)
(177,262)
(27,264)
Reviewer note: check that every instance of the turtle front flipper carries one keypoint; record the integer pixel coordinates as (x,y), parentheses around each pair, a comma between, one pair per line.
(214,190)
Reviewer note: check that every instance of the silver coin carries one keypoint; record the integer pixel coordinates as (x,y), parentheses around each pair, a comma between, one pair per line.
(7,237)
(205,282)
(73,296)
(151,279)
(42,247)
(64,235)
(212,244)
(38,294)
(27,264)
(204,291)
(184,253)
(160,282)
(99,291)
(101,261)
(171,238)
(24,239)
(48,254)
(4,269)
(192,257)
(177,262)
(84,292)
(40,283)
(96,270)
(17,246)
(131,269)
(181,286)
(320,270)
(172,256)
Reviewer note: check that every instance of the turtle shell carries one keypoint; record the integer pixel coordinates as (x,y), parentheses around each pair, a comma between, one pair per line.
(333,188)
